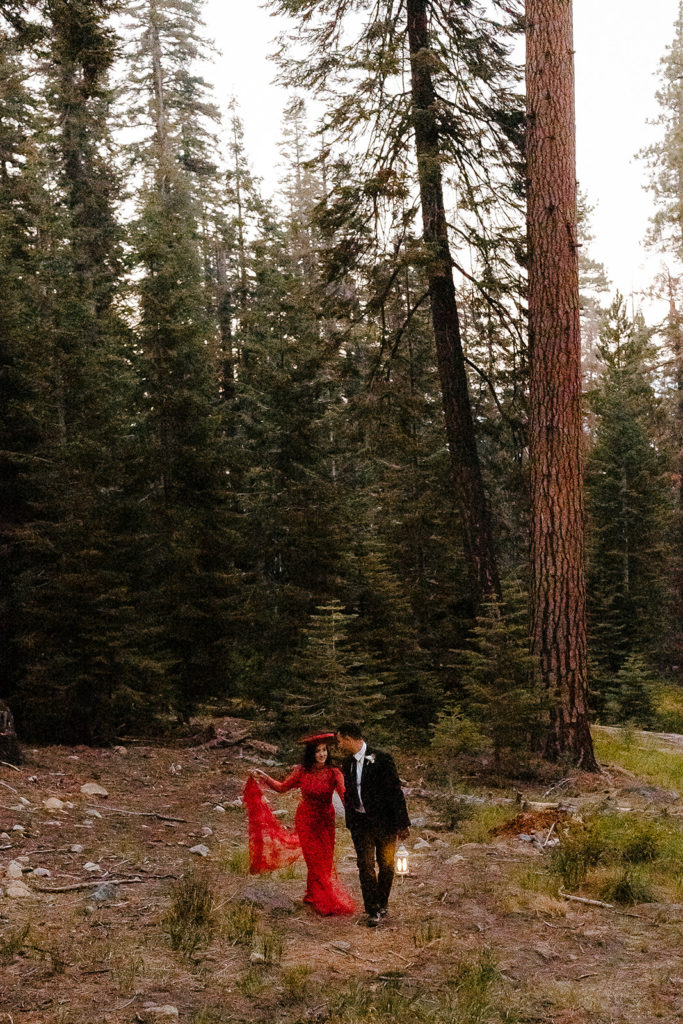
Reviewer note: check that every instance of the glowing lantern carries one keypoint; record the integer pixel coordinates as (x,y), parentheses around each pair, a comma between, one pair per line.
(401,861)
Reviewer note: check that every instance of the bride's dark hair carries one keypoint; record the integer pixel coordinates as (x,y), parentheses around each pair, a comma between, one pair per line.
(308,760)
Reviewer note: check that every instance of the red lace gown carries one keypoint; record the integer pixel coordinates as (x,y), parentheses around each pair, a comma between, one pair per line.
(315,830)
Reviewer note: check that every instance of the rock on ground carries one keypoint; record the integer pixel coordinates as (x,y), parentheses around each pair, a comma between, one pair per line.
(152,1014)
(93,789)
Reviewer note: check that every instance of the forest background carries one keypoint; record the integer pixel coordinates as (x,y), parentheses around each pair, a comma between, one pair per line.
(225,472)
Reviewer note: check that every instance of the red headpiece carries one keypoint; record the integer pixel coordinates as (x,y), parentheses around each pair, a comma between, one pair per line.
(320,738)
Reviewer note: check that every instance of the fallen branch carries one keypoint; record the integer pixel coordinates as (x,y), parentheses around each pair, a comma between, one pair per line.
(141,814)
(547,838)
(558,785)
(12,766)
(98,882)
(7,786)
(582,899)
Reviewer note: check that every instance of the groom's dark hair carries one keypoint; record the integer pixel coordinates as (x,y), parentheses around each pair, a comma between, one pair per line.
(350,729)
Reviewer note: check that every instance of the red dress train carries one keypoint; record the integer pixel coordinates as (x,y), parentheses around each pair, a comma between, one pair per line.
(271,846)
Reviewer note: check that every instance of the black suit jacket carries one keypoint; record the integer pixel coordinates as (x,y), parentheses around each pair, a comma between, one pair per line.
(381,793)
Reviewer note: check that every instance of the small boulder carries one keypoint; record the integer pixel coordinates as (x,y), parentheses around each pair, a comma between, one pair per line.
(219,809)
(104,892)
(151,1014)
(18,828)
(421,844)
(17,890)
(42,873)
(91,867)
(53,803)
(93,789)
(200,850)
(76,848)
(256,958)
(14,869)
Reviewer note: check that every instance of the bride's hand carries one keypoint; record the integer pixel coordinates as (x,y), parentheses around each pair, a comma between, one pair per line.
(257,771)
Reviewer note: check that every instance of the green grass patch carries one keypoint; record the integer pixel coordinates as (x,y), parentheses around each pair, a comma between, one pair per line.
(189,920)
(477,827)
(620,858)
(239,923)
(235,861)
(640,755)
(669,709)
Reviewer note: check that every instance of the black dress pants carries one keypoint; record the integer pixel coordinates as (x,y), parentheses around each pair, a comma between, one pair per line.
(375,852)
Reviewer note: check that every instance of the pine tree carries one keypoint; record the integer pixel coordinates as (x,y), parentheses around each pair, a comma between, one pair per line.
(330,682)
(558,626)
(631,698)
(501,694)
(187,586)
(665,161)
(630,504)
(423,129)
(75,601)
(23,366)
(290,503)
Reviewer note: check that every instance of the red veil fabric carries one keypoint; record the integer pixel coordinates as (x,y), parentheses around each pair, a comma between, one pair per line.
(270,845)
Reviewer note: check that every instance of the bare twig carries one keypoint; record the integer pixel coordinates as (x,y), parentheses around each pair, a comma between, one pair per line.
(558,785)
(7,786)
(550,832)
(97,882)
(12,766)
(582,899)
(142,814)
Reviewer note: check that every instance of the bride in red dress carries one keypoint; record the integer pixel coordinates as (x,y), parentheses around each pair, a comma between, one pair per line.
(271,846)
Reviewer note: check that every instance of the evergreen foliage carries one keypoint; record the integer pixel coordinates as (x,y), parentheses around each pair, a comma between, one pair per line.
(629,499)
(665,161)
(631,697)
(331,680)
(224,464)
(500,694)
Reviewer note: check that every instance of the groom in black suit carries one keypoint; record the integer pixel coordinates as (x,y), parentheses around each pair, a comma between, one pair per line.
(376,816)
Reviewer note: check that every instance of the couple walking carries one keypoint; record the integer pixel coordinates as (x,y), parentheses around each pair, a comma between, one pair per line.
(375,811)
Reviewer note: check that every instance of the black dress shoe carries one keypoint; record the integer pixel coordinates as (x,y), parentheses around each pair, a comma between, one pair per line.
(373,920)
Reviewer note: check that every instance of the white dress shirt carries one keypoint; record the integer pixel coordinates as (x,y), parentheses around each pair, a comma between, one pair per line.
(360,758)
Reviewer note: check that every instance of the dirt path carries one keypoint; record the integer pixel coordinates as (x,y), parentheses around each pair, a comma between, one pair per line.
(71,958)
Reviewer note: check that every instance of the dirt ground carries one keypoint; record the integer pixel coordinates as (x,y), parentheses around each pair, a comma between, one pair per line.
(68,958)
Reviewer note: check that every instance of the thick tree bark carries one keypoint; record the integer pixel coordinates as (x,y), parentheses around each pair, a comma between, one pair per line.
(558,627)
(478,536)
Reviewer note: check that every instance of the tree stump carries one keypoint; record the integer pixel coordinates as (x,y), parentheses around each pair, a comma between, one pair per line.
(9,743)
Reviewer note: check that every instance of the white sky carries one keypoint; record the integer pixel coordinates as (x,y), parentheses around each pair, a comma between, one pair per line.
(618,44)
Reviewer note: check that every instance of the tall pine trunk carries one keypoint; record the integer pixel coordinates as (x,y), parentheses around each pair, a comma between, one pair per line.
(558,626)
(478,535)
